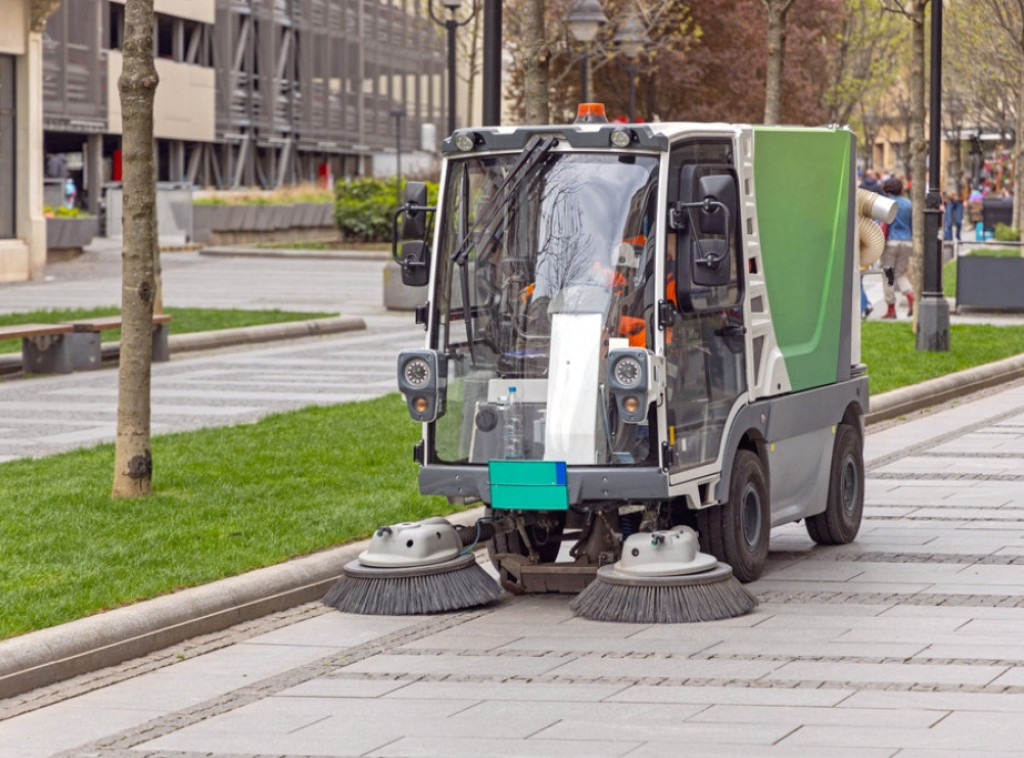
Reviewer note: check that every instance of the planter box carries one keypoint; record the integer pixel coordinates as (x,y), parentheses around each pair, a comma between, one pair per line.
(65,237)
(397,295)
(996,210)
(238,224)
(990,282)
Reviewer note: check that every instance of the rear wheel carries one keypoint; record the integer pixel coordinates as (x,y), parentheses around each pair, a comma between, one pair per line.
(840,521)
(737,532)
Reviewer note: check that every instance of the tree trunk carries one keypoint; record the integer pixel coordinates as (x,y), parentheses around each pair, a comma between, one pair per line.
(535,75)
(918,144)
(133,460)
(777,10)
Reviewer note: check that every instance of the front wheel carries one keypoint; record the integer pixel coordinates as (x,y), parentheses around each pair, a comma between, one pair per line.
(737,532)
(840,521)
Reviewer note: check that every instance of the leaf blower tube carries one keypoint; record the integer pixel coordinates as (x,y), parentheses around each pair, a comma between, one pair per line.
(873,208)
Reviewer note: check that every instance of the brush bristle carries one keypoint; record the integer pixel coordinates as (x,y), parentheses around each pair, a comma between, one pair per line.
(404,595)
(663,603)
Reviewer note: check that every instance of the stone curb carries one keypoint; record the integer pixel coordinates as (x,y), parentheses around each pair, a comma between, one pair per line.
(333,255)
(106,639)
(944,388)
(246,335)
(287,330)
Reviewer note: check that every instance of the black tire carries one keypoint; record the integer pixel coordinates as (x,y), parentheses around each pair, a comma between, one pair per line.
(738,531)
(839,523)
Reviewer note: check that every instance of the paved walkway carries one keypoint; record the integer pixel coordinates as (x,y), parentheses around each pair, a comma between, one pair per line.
(46,415)
(906,643)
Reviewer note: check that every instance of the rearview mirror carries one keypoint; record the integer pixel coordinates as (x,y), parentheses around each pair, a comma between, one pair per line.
(415,263)
(705,216)
(414,224)
(722,189)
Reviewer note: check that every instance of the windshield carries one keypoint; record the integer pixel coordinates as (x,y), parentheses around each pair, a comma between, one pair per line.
(546,261)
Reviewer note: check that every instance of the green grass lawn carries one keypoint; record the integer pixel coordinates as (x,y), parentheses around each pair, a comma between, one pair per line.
(890,352)
(231,499)
(226,500)
(183,320)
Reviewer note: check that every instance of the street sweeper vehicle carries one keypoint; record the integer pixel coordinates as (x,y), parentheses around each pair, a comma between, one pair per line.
(637,336)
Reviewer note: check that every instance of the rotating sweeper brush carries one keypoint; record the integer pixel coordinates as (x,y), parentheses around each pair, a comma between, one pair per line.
(663,579)
(413,568)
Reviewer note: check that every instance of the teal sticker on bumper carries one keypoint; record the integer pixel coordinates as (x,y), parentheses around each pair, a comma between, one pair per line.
(529,485)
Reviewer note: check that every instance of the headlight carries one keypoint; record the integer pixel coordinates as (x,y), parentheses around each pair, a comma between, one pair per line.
(628,372)
(464,142)
(636,378)
(423,379)
(417,372)
(621,137)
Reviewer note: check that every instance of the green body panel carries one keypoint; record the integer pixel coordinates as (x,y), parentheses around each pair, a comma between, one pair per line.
(528,485)
(803,186)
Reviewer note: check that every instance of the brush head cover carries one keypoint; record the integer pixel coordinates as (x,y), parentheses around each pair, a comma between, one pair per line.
(420,543)
(672,552)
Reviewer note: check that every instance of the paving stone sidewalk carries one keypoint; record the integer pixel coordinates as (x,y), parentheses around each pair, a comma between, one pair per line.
(907,642)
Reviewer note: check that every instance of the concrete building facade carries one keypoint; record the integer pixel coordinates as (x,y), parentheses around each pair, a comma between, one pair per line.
(252,93)
(22,226)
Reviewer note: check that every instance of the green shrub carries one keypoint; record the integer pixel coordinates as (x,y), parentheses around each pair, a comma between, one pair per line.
(1006,233)
(63,211)
(365,207)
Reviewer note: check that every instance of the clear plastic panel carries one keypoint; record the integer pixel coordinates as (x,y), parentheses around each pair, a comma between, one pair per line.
(541,259)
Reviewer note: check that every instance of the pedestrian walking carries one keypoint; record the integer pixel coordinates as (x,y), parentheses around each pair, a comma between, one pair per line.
(898,248)
(953,212)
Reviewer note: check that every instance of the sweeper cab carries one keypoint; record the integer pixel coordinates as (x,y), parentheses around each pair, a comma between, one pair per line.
(631,328)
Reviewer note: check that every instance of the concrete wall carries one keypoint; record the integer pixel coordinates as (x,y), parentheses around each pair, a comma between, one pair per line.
(13,26)
(24,256)
(196,10)
(185,104)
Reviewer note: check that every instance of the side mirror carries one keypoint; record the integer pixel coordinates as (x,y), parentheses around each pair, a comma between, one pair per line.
(710,256)
(415,263)
(705,217)
(720,189)
(414,225)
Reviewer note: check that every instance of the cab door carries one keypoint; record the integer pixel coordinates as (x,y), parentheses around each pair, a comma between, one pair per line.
(704,324)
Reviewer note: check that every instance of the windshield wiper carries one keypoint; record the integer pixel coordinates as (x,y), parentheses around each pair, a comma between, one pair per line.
(510,185)
(482,232)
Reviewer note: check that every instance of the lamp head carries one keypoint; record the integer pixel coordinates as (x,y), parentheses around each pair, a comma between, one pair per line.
(585,20)
(631,36)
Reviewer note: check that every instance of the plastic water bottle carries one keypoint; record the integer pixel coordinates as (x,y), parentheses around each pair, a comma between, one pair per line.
(512,433)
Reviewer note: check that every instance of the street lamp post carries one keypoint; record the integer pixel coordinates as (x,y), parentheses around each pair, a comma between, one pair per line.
(451,24)
(397,115)
(933,311)
(585,20)
(631,38)
(492,63)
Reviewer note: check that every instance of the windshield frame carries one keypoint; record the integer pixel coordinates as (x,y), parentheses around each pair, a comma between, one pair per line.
(487,343)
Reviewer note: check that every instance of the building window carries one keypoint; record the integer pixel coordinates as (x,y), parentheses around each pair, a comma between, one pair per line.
(7,167)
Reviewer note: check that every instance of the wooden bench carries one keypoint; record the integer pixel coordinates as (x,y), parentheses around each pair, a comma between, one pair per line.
(45,348)
(87,350)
